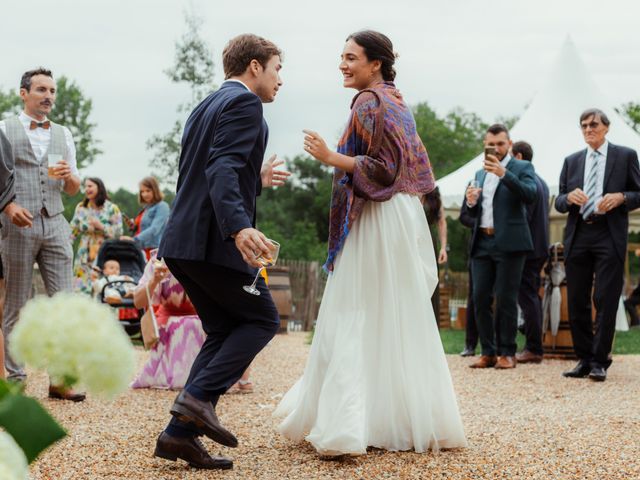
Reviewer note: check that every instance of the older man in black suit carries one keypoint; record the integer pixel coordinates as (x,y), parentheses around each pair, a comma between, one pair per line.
(528,295)
(599,186)
(212,247)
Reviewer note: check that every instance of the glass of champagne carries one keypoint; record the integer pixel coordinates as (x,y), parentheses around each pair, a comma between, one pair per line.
(474,185)
(53,159)
(266,262)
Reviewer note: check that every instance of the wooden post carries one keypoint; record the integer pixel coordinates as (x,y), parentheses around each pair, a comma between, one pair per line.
(311,293)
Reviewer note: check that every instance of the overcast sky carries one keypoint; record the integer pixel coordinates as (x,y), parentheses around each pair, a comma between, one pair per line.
(488,57)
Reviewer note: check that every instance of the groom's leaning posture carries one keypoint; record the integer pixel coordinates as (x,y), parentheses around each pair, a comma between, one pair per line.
(211,245)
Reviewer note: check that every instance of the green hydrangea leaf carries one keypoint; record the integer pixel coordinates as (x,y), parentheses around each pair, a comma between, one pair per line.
(28,423)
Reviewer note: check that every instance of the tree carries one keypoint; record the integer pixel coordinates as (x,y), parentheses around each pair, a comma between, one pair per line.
(452,140)
(630,112)
(193,65)
(297,214)
(72,109)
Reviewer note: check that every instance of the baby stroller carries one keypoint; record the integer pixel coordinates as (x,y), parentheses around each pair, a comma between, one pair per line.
(132,262)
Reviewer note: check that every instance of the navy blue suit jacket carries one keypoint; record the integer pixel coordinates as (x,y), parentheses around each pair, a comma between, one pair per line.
(516,188)
(538,218)
(223,148)
(621,174)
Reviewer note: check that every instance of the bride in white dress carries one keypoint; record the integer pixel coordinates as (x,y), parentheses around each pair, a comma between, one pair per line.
(376,373)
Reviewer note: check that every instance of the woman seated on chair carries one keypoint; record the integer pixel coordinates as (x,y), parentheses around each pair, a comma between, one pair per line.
(180,329)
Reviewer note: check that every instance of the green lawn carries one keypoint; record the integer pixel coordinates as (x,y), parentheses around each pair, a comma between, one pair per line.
(625,342)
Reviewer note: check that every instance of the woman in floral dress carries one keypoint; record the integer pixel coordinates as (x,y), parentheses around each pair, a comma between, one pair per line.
(180,328)
(94,220)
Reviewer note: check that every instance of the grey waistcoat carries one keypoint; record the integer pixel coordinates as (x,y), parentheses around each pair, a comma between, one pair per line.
(34,189)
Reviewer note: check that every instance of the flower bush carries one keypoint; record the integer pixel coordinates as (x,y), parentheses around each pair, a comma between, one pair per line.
(77,341)
(13,463)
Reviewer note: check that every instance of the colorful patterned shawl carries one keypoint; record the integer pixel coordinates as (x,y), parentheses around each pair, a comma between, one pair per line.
(390,158)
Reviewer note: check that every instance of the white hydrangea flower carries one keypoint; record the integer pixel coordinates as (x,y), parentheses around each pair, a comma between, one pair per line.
(76,340)
(13,463)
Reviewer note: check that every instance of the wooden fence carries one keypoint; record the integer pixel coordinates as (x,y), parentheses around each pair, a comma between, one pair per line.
(307,286)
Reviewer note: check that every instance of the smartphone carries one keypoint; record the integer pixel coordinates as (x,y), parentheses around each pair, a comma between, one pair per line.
(489,151)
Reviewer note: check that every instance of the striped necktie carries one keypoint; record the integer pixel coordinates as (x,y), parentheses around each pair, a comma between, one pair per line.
(590,185)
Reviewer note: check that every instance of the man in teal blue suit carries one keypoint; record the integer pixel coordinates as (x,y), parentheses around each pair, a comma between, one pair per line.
(499,245)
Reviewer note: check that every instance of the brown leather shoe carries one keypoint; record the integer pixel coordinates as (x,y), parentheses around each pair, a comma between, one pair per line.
(506,362)
(188,408)
(63,393)
(191,450)
(528,357)
(485,361)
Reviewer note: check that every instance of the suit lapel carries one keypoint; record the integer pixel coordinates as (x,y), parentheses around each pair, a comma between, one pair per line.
(582,158)
(481,176)
(611,160)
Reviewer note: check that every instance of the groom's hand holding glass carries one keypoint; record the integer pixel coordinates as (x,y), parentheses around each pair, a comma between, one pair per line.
(252,245)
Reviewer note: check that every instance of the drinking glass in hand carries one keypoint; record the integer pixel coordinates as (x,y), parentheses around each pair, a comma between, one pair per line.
(474,187)
(266,262)
(53,159)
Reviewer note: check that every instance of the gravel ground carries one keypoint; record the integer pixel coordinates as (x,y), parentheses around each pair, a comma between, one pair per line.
(528,423)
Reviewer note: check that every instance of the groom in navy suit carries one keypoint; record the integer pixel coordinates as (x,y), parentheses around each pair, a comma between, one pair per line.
(210,243)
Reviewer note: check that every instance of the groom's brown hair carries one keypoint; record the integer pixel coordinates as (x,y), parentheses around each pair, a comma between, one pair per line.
(239,52)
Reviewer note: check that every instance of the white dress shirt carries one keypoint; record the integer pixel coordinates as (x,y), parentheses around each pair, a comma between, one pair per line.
(491,182)
(601,163)
(41,137)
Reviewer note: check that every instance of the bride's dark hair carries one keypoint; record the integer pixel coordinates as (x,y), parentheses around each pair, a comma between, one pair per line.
(377,46)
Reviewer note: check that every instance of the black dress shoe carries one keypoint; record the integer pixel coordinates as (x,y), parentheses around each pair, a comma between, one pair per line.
(63,393)
(598,374)
(188,408)
(191,451)
(581,370)
(468,352)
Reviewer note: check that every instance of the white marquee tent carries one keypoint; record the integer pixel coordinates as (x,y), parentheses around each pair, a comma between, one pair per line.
(550,125)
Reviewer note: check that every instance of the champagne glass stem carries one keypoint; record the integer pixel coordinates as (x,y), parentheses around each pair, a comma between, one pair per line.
(255,280)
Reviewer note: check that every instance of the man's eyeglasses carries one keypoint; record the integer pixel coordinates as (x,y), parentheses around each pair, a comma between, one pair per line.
(592,125)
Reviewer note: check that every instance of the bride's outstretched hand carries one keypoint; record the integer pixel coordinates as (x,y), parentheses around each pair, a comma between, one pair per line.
(315,146)
(272,177)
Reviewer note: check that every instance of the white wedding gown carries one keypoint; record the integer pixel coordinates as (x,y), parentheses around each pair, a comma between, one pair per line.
(376,373)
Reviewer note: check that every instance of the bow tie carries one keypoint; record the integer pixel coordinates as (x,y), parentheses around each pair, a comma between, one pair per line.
(46,124)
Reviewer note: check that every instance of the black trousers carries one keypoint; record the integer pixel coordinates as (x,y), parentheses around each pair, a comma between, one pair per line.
(593,263)
(496,273)
(531,304)
(238,325)
(471,328)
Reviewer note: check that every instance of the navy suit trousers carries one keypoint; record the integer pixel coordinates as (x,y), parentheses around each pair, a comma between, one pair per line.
(238,325)
(499,274)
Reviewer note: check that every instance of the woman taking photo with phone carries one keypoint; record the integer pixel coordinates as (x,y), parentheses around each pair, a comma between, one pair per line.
(376,374)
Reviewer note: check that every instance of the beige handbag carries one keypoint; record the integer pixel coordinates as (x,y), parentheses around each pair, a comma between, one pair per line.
(149,325)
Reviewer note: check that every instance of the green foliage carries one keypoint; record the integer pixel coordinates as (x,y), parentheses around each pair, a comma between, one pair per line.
(72,109)
(27,421)
(193,65)
(297,214)
(630,111)
(451,140)
(10,103)
(458,236)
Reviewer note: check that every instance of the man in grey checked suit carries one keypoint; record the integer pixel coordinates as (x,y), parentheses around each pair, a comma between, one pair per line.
(36,230)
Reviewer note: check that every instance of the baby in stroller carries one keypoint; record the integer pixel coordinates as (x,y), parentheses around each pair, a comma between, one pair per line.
(113,286)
